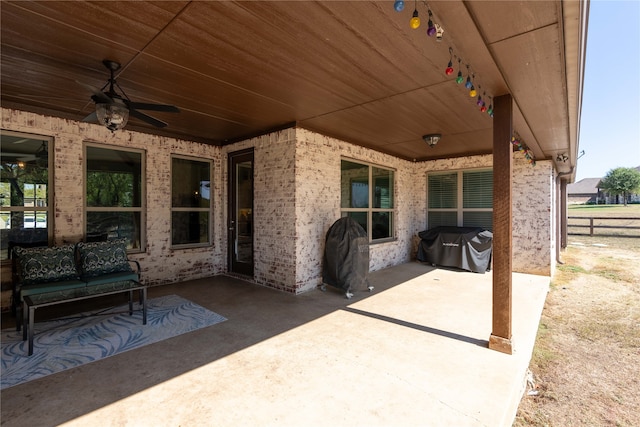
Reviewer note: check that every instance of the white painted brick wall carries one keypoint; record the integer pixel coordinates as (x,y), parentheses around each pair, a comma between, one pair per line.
(274,208)
(533,227)
(160,264)
(534,212)
(318,204)
(297,199)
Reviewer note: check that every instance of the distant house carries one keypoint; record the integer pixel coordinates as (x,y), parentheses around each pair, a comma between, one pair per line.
(585,191)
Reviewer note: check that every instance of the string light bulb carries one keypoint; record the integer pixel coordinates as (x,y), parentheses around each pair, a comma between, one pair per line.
(398,5)
(459,79)
(468,83)
(449,70)
(431,29)
(415,20)
(472,92)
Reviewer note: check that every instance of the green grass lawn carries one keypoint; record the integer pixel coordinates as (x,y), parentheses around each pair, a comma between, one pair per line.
(604,210)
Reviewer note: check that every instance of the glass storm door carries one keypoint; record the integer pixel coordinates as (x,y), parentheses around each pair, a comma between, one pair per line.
(241,212)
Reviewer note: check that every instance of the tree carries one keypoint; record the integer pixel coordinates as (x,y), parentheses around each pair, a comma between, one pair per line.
(623,181)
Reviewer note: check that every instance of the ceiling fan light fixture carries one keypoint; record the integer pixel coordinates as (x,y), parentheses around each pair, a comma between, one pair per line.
(432,139)
(113,116)
(42,155)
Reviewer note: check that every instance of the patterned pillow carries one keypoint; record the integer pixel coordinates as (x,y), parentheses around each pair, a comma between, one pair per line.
(97,258)
(39,265)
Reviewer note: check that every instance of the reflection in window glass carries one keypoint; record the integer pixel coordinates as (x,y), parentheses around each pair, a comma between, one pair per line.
(114,195)
(190,201)
(367,195)
(355,185)
(113,225)
(383,188)
(24,191)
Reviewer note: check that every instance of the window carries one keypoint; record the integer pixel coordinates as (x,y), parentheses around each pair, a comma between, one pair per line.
(463,198)
(25,215)
(114,195)
(367,197)
(190,202)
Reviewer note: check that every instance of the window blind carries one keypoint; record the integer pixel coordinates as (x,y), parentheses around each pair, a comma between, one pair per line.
(443,191)
(477,189)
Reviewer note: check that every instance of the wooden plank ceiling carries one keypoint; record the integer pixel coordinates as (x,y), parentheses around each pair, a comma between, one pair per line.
(354,70)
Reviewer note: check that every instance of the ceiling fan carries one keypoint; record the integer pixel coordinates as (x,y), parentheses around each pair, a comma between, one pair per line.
(113,109)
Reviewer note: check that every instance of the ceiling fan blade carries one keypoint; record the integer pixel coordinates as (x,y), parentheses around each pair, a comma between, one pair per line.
(152,107)
(91,118)
(97,95)
(147,118)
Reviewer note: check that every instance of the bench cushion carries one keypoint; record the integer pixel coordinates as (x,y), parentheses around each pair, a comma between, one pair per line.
(100,258)
(39,265)
(111,277)
(41,288)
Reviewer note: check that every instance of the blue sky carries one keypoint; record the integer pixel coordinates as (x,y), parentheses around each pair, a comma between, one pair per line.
(610,123)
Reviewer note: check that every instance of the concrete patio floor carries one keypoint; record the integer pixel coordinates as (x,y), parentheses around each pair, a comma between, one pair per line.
(412,353)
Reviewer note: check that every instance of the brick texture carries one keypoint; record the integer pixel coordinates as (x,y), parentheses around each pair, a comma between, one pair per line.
(297,199)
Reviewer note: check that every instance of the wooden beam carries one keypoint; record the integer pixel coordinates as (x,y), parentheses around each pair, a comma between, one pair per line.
(500,339)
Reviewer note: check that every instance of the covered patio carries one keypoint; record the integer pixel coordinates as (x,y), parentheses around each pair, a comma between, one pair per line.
(298,96)
(414,352)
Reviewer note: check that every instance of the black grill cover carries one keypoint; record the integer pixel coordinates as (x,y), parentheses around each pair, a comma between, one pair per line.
(346,256)
(468,248)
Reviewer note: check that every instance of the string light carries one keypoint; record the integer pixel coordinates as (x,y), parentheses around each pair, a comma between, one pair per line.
(482,104)
(459,79)
(449,69)
(433,27)
(415,20)
(431,30)
(521,146)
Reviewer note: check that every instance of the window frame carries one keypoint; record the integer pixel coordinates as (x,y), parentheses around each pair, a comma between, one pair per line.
(142,209)
(49,208)
(370,210)
(460,210)
(209,209)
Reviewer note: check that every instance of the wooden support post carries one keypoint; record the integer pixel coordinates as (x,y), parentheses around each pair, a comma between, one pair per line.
(500,339)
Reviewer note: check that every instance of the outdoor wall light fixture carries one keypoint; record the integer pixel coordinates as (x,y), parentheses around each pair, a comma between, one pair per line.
(432,139)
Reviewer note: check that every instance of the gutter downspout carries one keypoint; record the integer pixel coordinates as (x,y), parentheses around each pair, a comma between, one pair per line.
(561,232)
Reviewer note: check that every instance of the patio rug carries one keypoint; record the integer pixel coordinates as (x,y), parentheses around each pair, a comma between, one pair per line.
(66,343)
